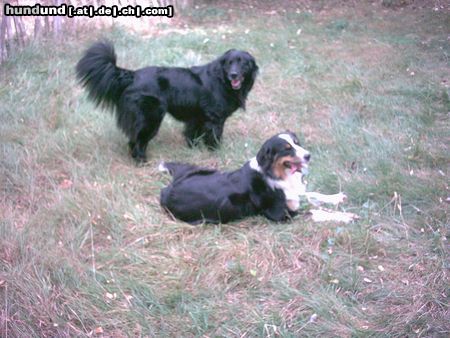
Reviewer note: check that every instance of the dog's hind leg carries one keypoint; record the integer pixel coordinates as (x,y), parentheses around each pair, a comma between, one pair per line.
(140,146)
(145,134)
(213,134)
(192,132)
(146,117)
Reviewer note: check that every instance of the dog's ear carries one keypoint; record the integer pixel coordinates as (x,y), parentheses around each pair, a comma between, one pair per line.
(265,158)
(249,80)
(255,68)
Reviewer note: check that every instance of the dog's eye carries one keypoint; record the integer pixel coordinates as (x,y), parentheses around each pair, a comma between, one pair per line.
(296,142)
(288,146)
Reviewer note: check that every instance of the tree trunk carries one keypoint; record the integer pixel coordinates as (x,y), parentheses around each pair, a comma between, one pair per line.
(3,49)
(57,22)
(20,31)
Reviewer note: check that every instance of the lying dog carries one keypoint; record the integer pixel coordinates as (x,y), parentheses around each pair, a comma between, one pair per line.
(202,97)
(269,184)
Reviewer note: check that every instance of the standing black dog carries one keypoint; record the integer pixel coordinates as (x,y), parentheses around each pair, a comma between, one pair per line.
(203,97)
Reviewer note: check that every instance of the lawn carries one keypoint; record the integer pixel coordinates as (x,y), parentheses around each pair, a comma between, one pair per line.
(86,250)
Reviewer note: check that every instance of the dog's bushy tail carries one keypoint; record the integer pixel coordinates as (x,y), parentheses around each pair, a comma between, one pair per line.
(97,71)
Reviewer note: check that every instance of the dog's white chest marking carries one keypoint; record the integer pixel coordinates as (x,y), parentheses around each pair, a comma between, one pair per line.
(293,187)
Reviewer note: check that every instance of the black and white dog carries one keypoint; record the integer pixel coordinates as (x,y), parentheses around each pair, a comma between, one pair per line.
(271,184)
(202,97)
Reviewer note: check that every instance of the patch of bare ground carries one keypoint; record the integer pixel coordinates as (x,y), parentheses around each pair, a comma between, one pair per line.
(317,128)
(367,54)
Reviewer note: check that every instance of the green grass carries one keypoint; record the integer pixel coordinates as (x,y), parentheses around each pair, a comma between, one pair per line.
(85,245)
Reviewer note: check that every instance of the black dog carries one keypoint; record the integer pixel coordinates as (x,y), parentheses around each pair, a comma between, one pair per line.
(268,185)
(203,97)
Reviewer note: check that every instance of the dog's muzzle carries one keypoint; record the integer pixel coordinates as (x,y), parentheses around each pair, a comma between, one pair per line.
(236,81)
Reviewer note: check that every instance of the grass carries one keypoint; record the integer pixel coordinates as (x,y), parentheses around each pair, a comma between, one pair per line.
(86,250)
